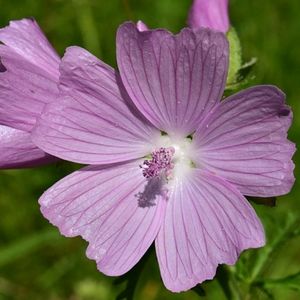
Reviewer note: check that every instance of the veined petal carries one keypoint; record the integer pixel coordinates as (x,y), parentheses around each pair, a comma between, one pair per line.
(29,75)
(93,121)
(17,150)
(245,141)
(26,38)
(174,80)
(208,222)
(113,207)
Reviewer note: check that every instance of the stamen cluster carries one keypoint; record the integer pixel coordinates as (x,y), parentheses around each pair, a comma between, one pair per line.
(161,161)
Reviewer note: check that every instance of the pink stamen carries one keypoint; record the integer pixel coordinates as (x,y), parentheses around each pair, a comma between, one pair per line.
(161,162)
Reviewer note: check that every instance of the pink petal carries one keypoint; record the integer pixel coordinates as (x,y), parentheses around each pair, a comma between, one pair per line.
(29,74)
(173,80)
(17,150)
(103,205)
(141,26)
(245,141)
(208,222)
(26,38)
(93,122)
(209,13)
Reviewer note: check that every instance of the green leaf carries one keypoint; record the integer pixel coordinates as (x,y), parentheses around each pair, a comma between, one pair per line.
(284,232)
(246,68)
(235,56)
(243,76)
(238,75)
(268,293)
(291,282)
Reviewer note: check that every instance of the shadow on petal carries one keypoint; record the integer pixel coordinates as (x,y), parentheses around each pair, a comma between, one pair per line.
(153,188)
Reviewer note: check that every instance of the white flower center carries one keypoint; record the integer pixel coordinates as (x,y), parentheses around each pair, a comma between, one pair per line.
(182,162)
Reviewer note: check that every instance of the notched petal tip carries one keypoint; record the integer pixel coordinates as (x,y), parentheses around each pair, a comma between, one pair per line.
(130,29)
(22,25)
(173,80)
(208,222)
(28,20)
(86,203)
(245,141)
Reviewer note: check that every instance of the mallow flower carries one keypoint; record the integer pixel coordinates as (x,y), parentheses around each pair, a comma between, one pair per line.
(209,13)
(170,162)
(29,72)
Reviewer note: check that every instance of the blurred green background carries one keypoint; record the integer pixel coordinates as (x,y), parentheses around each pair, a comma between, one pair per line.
(37,263)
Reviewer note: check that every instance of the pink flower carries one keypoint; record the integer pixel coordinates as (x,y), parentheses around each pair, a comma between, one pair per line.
(209,13)
(28,80)
(170,162)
